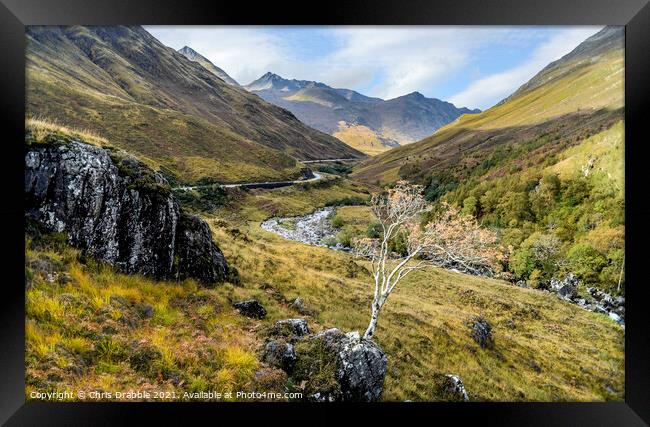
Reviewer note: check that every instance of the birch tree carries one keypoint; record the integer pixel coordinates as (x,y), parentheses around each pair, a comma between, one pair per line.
(451,239)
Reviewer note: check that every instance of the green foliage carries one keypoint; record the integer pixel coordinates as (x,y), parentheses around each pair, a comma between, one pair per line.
(539,252)
(586,262)
(439,185)
(202,199)
(337,222)
(345,237)
(374,230)
(470,206)
(315,369)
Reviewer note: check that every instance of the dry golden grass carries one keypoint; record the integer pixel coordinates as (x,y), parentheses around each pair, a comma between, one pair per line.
(361,138)
(40,127)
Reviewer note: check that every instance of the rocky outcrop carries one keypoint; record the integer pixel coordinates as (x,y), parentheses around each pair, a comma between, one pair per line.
(251,308)
(328,366)
(360,365)
(290,328)
(198,256)
(280,354)
(595,300)
(118,210)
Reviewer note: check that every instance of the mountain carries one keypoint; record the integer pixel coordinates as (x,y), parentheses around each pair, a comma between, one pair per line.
(371,125)
(578,94)
(193,55)
(545,167)
(174,114)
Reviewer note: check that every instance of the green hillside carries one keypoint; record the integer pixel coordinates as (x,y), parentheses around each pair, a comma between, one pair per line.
(123,84)
(545,167)
(81,327)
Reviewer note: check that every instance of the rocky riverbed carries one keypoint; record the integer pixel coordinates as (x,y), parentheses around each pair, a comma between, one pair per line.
(313,229)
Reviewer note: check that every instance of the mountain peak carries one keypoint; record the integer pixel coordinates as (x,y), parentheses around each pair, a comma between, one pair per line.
(193,55)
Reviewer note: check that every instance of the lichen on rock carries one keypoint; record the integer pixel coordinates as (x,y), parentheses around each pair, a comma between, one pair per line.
(118,210)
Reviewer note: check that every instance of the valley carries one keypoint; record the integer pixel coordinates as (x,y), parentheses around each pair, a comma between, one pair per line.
(251,201)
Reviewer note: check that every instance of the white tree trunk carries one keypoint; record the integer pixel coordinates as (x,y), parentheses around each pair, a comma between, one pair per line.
(373,321)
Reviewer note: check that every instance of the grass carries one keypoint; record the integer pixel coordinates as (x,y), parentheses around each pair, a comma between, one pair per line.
(566,105)
(40,128)
(545,349)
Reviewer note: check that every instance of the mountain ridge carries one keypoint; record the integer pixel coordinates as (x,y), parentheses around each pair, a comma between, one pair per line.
(149,99)
(557,93)
(367,123)
(193,55)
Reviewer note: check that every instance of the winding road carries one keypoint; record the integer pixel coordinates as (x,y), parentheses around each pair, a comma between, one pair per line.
(266,184)
(270,184)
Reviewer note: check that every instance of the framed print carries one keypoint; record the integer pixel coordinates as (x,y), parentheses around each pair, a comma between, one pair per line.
(240,210)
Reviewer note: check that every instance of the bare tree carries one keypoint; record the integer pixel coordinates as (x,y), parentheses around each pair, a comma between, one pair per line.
(451,239)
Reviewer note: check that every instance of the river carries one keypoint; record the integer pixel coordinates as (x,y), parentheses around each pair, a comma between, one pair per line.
(313,229)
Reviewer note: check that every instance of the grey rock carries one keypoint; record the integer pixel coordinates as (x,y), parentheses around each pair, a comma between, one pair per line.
(482,332)
(361,365)
(280,354)
(199,257)
(118,210)
(615,317)
(147,311)
(451,388)
(294,327)
(251,308)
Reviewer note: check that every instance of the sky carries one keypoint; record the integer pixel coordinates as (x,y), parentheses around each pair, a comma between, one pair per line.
(473,67)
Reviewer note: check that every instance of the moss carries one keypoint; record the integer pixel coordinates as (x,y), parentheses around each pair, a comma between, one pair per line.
(315,370)
(140,177)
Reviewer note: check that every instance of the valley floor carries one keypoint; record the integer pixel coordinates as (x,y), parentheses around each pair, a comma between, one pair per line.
(86,322)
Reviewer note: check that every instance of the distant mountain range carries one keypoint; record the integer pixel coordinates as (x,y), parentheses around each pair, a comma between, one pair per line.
(369,124)
(184,116)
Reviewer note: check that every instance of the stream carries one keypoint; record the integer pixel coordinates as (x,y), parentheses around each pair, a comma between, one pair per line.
(313,229)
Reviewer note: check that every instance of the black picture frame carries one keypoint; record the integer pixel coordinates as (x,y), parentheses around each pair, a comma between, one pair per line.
(16,14)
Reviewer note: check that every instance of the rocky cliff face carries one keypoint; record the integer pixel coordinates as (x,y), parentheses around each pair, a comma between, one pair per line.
(118,210)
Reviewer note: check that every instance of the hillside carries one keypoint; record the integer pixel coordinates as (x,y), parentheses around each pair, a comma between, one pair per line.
(193,55)
(579,93)
(123,84)
(371,125)
(90,327)
(545,167)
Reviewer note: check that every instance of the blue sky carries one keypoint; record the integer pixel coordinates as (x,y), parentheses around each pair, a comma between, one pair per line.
(472,67)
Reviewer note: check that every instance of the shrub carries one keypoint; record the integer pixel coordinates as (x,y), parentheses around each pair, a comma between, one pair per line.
(337,221)
(538,252)
(586,262)
(374,231)
(470,206)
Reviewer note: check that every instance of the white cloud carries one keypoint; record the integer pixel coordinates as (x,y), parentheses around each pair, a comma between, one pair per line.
(245,53)
(378,61)
(487,91)
(410,59)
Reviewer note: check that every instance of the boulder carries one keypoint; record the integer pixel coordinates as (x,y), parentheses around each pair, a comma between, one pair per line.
(566,288)
(360,365)
(280,354)
(198,256)
(251,308)
(567,292)
(450,388)
(290,328)
(118,210)
(482,332)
